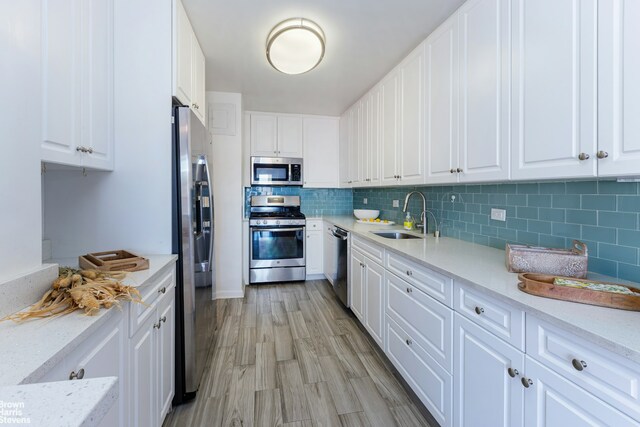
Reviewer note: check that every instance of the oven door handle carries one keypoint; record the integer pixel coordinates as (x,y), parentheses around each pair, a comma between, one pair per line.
(277,229)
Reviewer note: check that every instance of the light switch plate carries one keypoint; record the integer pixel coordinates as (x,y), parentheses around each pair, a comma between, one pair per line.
(365,201)
(498,214)
(396,203)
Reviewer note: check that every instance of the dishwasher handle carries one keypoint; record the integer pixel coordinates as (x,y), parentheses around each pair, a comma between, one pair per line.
(337,233)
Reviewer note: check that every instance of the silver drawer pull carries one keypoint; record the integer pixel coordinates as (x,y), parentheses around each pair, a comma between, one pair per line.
(157,325)
(409,273)
(409,290)
(408,341)
(526,382)
(77,375)
(162,290)
(579,364)
(513,372)
(163,319)
(479,310)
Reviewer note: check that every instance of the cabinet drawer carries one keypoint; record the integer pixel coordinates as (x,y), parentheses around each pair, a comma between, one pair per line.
(430,282)
(612,378)
(150,296)
(373,251)
(432,384)
(430,323)
(499,318)
(314,224)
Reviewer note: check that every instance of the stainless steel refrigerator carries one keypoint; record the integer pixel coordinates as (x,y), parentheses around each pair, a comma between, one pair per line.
(193,237)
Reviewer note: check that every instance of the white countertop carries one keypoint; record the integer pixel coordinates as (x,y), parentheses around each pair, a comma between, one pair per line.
(484,268)
(61,404)
(30,348)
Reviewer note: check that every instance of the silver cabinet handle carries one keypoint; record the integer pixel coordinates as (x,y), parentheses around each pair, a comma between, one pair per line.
(579,365)
(157,325)
(162,290)
(513,372)
(459,170)
(81,149)
(602,154)
(479,310)
(408,341)
(163,319)
(526,382)
(90,150)
(77,375)
(409,273)
(409,290)
(452,170)
(583,156)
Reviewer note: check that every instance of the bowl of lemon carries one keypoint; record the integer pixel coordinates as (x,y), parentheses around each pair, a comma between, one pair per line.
(366,214)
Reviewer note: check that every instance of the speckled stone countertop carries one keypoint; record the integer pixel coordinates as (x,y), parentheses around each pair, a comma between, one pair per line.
(31,348)
(49,404)
(483,268)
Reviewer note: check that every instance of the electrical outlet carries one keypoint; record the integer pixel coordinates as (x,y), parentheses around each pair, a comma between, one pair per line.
(396,203)
(365,201)
(498,214)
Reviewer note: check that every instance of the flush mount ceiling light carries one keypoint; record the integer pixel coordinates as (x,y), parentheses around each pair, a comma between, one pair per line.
(295,46)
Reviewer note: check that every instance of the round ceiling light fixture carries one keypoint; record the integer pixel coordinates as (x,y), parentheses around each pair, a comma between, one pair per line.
(295,46)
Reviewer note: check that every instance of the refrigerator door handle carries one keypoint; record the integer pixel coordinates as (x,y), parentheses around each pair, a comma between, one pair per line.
(211,212)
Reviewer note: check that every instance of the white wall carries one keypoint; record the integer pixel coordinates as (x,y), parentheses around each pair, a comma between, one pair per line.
(20,116)
(129,208)
(228,198)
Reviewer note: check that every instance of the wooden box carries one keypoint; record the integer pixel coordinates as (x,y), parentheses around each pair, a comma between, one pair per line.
(118,260)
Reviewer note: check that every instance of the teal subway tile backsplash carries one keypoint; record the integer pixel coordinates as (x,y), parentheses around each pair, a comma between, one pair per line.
(603,214)
(313,201)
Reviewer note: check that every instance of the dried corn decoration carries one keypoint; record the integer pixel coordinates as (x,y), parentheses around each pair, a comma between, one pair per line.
(87,290)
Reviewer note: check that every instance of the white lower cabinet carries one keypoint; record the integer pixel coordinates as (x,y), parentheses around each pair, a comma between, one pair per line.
(367,294)
(488,389)
(551,400)
(151,358)
(314,247)
(432,384)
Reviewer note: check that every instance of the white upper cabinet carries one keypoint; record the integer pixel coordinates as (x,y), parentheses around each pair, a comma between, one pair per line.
(372,151)
(320,150)
(289,136)
(77,78)
(410,150)
(276,135)
(188,65)
(554,89)
(355,144)
(388,128)
(442,103)
(345,124)
(485,80)
(618,88)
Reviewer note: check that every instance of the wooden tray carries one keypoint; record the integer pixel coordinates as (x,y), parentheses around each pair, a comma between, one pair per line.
(119,260)
(542,285)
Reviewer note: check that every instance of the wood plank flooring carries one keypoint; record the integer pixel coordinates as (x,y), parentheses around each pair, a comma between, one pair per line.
(291,355)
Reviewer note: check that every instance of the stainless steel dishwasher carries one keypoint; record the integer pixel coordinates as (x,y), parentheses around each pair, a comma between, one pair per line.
(336,261)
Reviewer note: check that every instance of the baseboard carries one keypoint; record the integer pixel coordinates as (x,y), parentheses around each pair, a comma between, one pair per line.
(315,276)
(226,294)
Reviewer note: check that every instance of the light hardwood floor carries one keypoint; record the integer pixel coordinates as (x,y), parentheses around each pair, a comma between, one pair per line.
(291,355)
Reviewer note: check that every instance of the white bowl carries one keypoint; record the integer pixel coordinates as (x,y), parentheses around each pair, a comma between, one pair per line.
(366,213)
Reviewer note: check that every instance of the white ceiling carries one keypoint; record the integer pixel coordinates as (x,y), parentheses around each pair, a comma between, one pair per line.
(365,40)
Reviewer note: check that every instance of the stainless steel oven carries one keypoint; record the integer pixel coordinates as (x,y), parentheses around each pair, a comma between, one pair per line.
(276,171)
(277,247)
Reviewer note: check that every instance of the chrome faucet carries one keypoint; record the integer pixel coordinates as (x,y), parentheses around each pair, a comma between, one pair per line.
(423,214)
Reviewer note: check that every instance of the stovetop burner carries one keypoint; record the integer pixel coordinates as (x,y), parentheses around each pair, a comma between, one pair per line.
(286,215)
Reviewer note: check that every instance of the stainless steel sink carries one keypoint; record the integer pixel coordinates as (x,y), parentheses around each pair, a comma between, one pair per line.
(396,235)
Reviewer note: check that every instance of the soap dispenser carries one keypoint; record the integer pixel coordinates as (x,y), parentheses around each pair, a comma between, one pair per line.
(408,222)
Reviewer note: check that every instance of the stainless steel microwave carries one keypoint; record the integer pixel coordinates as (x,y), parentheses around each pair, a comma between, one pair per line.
(274,171)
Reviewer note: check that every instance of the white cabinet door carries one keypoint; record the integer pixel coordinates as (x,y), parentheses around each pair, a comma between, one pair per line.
(442,103)
(374,301)
(389,128)
(184,61)
(618,88)
(551,400)
(166,353)
(411,146)
(144,375)
(356,268)
(264,135)
(355,144)
(321,145)
(485,392)
(373,142)
(365,121)
(554,115)
(314,252)
(97,133)
(289,136)
(345,142)
(485,82)
(198,96)
(61,72)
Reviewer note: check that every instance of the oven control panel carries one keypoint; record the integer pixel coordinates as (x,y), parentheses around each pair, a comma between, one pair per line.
(275,222)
